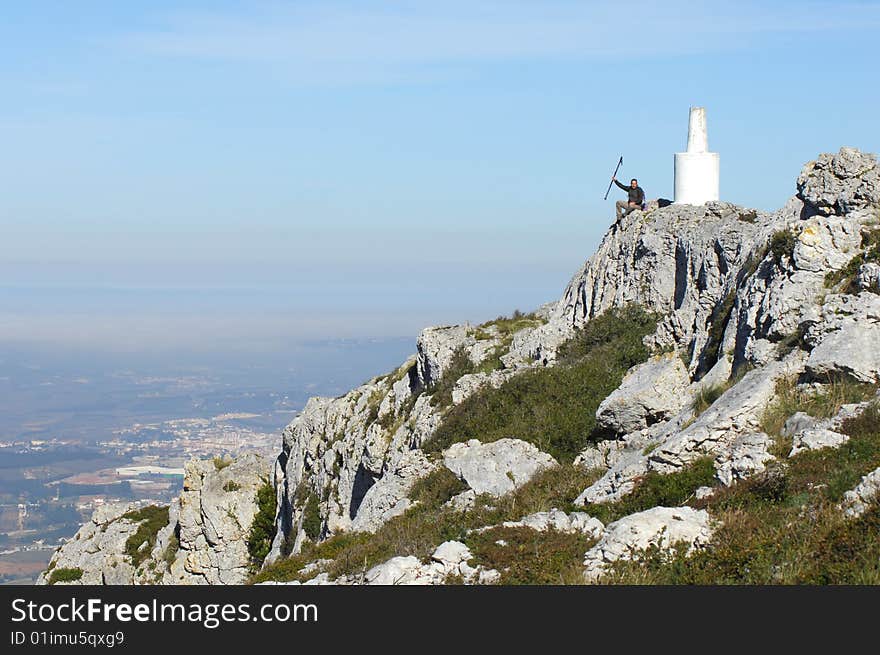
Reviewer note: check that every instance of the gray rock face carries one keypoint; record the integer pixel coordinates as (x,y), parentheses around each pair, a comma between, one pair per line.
(737,412)
(846,338)
(436,347)
(650,392)
(675,260)
(840,183)
(469,384)
(816,438)
(388,497)
(859,500)
(98,548)
(660,527)
(681,440)
(572,523)
(747,455)
(216,510)
(868,278)
(212,518)
(498,467)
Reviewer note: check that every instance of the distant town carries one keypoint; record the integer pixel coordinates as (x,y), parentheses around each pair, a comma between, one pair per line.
(142,461)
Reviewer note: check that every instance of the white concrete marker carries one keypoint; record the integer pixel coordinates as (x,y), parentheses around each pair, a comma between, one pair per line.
(697,171)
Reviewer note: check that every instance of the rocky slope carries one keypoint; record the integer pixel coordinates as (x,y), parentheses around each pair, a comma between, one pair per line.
(746,303)
(201,538)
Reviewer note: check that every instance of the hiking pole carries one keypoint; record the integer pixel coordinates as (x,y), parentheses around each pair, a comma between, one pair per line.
(613,175)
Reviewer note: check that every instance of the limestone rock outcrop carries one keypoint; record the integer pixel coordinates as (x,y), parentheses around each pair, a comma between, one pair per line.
(651,392)
(498,467)
(841,182)
(661,527)
(203,542)
(857,501)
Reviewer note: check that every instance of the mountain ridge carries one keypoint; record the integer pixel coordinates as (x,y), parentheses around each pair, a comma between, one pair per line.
(735,304)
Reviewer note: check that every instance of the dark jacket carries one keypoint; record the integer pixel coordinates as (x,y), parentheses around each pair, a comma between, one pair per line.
(636,195)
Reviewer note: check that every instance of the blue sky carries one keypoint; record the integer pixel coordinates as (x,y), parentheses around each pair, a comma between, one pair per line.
(209,172)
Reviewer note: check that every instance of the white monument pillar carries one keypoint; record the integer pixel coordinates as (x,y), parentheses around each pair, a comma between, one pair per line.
(697,171)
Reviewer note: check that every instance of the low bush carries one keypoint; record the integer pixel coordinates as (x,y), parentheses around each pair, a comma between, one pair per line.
(63,574)
(424,526)
(437,487)
(785,526)
(707,395)
(782,244)
(554,407)
(262,530)
(526,556)
(152,519)
(654,490)
(312,518)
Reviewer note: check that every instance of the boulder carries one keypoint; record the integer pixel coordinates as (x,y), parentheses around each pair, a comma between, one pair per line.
(868,278)
(747,455)
(660,527)
(436,347)
(845,339)
(497,467)
(388,497)
(816,438)
(650,392)
(841,182)
(575,522)
(857,501)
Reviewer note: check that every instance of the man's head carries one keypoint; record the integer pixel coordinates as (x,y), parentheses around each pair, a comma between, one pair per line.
(634,183)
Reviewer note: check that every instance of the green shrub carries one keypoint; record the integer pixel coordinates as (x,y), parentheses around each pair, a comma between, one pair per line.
(151,519)
(718,321)
(221,463)
(437,487)
(654,490)
(231,485)
(262,530)
(748,216)
(526,556)
(312,518)
(782,244)
(171,549)
(554,407)
(63,574)
(707,395)
(441,390)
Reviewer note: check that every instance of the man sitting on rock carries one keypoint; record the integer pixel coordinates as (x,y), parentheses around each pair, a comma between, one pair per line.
(635,199)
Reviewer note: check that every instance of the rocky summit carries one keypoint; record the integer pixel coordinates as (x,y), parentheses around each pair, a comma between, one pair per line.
(700,406)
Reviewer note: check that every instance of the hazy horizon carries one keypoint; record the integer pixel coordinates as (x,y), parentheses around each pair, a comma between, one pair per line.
(213,175)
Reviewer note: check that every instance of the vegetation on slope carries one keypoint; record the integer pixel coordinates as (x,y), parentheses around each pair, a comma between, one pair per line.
(654,490)
(152,519)
(426,524)
(785,526)
(64,574)
(554,408)
(262,530)
(845,277)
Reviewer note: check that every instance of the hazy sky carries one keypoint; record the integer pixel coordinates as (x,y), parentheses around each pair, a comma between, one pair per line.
(194,172)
